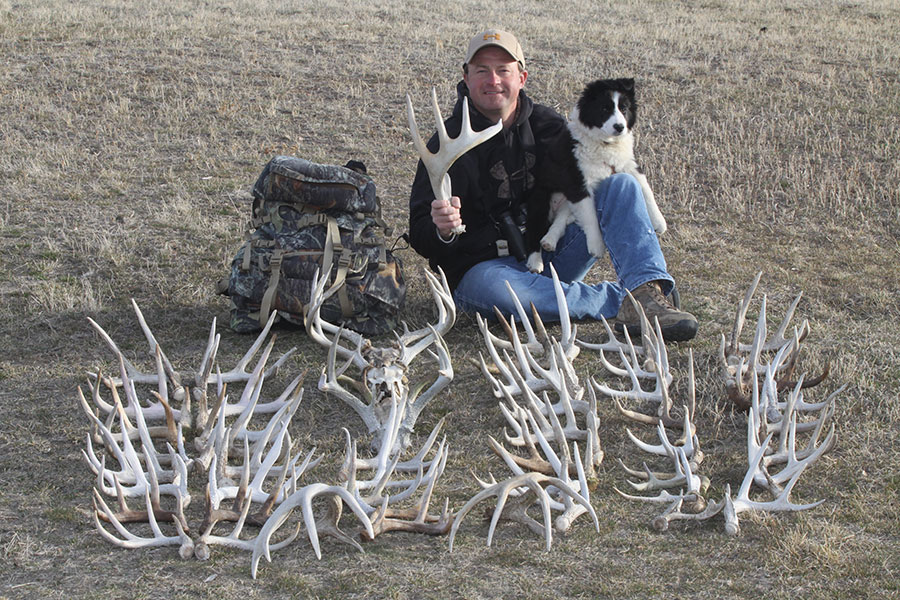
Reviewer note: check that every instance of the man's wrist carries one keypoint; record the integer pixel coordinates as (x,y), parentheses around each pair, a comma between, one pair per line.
(447,240)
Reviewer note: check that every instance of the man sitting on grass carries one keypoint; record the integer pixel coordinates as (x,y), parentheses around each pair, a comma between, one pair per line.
(489,186)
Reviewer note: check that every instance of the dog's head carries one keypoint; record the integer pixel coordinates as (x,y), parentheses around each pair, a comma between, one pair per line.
(607,108)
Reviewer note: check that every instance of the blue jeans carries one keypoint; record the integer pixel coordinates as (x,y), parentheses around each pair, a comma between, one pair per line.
(630,241)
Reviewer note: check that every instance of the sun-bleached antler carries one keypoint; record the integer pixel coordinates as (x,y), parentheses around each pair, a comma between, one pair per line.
(763,453)
(245,408)
(202,377)
(416,519)
(742,362)
(160,410)
(137,470)
(152,516)
(785,451)
(514,496)
(386,465)
(742,502)
(660,373)
(303,498)
(437,164)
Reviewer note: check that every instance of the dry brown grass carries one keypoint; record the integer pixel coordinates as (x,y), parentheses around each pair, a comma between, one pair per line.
(130,134)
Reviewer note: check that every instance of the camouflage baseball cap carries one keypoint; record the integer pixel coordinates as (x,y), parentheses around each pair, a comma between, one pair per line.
(496,37)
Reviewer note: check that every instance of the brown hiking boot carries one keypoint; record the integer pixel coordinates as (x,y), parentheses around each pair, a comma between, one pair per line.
(676,325)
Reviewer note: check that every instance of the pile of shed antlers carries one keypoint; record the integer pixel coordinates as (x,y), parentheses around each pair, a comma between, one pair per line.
(259,492)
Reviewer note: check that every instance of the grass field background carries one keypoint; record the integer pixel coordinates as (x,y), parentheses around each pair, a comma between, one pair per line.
(130,134)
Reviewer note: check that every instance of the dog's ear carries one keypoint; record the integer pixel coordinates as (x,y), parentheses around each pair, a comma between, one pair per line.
(627,84)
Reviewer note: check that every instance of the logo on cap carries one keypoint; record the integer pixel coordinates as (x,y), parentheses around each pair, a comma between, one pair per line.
(492,36)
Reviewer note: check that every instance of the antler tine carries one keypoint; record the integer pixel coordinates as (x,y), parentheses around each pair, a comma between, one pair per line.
(754,420)
(539,326)
(437,164)
(446,307)
(492,342)
(650,337)
(316,326)
(533,343)
(778,338)
(133,373)
(569,330)
(526,361)
(593,451)
(634,415)
(154,411)
(759,341)
(204,372)
(740,317)
(154,347)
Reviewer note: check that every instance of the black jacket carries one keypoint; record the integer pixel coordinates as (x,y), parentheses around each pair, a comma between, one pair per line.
(490,179)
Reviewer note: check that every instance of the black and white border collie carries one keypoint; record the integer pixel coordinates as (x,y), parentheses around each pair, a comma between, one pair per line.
(597,143)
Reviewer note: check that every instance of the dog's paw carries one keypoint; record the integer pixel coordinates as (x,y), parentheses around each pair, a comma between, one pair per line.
(596,246)
(549,242)
(535,263)
(660,225)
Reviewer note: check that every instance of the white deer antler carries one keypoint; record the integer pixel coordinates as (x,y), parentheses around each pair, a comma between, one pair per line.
(152,515)
(741,362)
(202,377)
(303,498)
(742,502)
(450,149)
(660,372)
(524,490)
(387,463)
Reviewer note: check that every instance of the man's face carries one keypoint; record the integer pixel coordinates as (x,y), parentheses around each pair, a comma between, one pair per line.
(494,80)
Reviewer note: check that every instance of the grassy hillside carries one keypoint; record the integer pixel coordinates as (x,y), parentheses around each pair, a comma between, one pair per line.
(130,134)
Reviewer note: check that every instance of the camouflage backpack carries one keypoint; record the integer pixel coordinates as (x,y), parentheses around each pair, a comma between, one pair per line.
(308,216)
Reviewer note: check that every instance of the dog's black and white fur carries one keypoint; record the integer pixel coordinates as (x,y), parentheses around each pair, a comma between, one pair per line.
(597,143)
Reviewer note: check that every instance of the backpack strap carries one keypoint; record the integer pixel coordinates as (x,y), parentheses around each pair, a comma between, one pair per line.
(265,306)
(337,254)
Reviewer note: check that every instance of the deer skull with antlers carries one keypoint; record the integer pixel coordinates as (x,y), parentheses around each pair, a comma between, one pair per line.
(384,370)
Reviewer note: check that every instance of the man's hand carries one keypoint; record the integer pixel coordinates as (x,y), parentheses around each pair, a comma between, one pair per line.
(446,217)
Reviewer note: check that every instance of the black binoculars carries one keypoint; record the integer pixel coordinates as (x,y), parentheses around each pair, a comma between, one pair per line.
(512,233)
